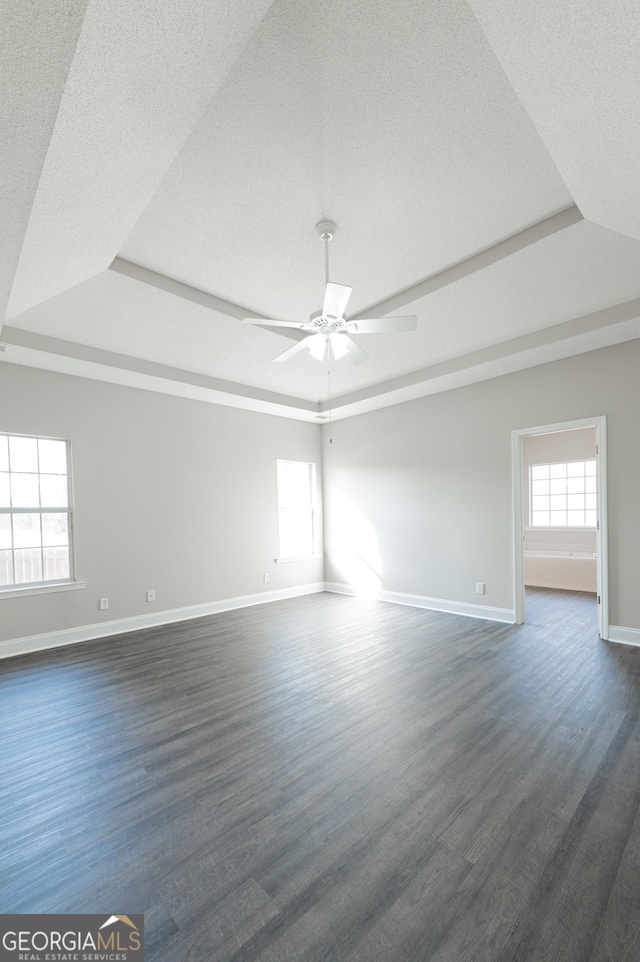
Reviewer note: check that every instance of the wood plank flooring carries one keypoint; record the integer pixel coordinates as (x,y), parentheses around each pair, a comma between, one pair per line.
(330,779)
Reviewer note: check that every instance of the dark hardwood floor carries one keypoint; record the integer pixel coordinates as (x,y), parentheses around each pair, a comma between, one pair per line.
(329,779)
(559,610)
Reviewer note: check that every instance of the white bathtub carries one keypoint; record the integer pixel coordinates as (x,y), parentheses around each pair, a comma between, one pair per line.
(548,568)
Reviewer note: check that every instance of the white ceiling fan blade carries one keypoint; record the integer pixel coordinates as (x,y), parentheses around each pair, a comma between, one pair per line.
(264,322)
(382,325)
(300,346)
(336,298)
(354,353)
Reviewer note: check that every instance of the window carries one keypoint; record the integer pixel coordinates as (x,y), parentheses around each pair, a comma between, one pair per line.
(563,495)
(35,512)
(296,508)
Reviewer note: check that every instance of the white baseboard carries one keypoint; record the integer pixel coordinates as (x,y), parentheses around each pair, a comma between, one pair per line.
(433,604)
(624,636)
(71,636)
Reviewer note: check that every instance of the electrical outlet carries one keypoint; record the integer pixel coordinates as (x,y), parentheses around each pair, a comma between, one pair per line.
(104,604)
(151,594)
(480,587)
(265,576)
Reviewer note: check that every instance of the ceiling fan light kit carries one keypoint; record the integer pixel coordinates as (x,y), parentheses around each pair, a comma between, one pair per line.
(317,346)
(328,329)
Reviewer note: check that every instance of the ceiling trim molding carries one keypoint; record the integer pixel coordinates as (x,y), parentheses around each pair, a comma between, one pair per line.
(42,351)
(470,265)
(574,327)
(44,344)
(579,335)
(530,235)
(188,293)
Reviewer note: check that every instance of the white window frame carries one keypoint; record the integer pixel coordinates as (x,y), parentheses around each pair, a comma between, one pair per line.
(564,527)
(55,584)
(313,507)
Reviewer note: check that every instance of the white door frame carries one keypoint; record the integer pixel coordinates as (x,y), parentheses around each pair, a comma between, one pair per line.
(602,562)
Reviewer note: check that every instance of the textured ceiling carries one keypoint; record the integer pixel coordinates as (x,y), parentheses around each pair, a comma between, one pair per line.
(142,75)
(203,141)
(575,64)
(394,119)
(36,52)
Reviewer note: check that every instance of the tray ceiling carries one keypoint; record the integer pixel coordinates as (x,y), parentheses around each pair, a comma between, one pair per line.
(192,147)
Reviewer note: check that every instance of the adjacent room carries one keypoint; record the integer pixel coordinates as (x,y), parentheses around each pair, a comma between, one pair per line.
(565,576)
(319,457)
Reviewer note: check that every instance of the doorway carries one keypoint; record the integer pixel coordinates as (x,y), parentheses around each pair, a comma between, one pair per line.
(555,536)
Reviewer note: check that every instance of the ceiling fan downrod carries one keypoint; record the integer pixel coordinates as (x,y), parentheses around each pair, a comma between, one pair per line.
(325,231)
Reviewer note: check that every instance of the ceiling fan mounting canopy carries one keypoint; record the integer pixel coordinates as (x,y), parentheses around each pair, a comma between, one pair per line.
(328,329)
(326,230)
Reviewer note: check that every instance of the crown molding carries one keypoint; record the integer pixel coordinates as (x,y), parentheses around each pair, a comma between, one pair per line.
(477,262)
(470,265)
(197,296)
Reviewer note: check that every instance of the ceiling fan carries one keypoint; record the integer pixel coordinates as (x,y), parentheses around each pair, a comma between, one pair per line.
(328,329)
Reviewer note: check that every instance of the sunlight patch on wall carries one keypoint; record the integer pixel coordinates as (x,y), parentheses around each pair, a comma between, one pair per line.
(355,548)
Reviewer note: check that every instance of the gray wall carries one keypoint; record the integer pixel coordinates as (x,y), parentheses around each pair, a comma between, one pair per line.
(171,494)
(180,496)
(432,480)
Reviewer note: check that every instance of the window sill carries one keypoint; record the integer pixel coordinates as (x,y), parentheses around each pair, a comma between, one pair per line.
(306,557)
(551,528)
(44,589)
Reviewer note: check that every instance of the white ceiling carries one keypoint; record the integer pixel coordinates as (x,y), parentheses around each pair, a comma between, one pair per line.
(31,88)
(574,65)
(199,142)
